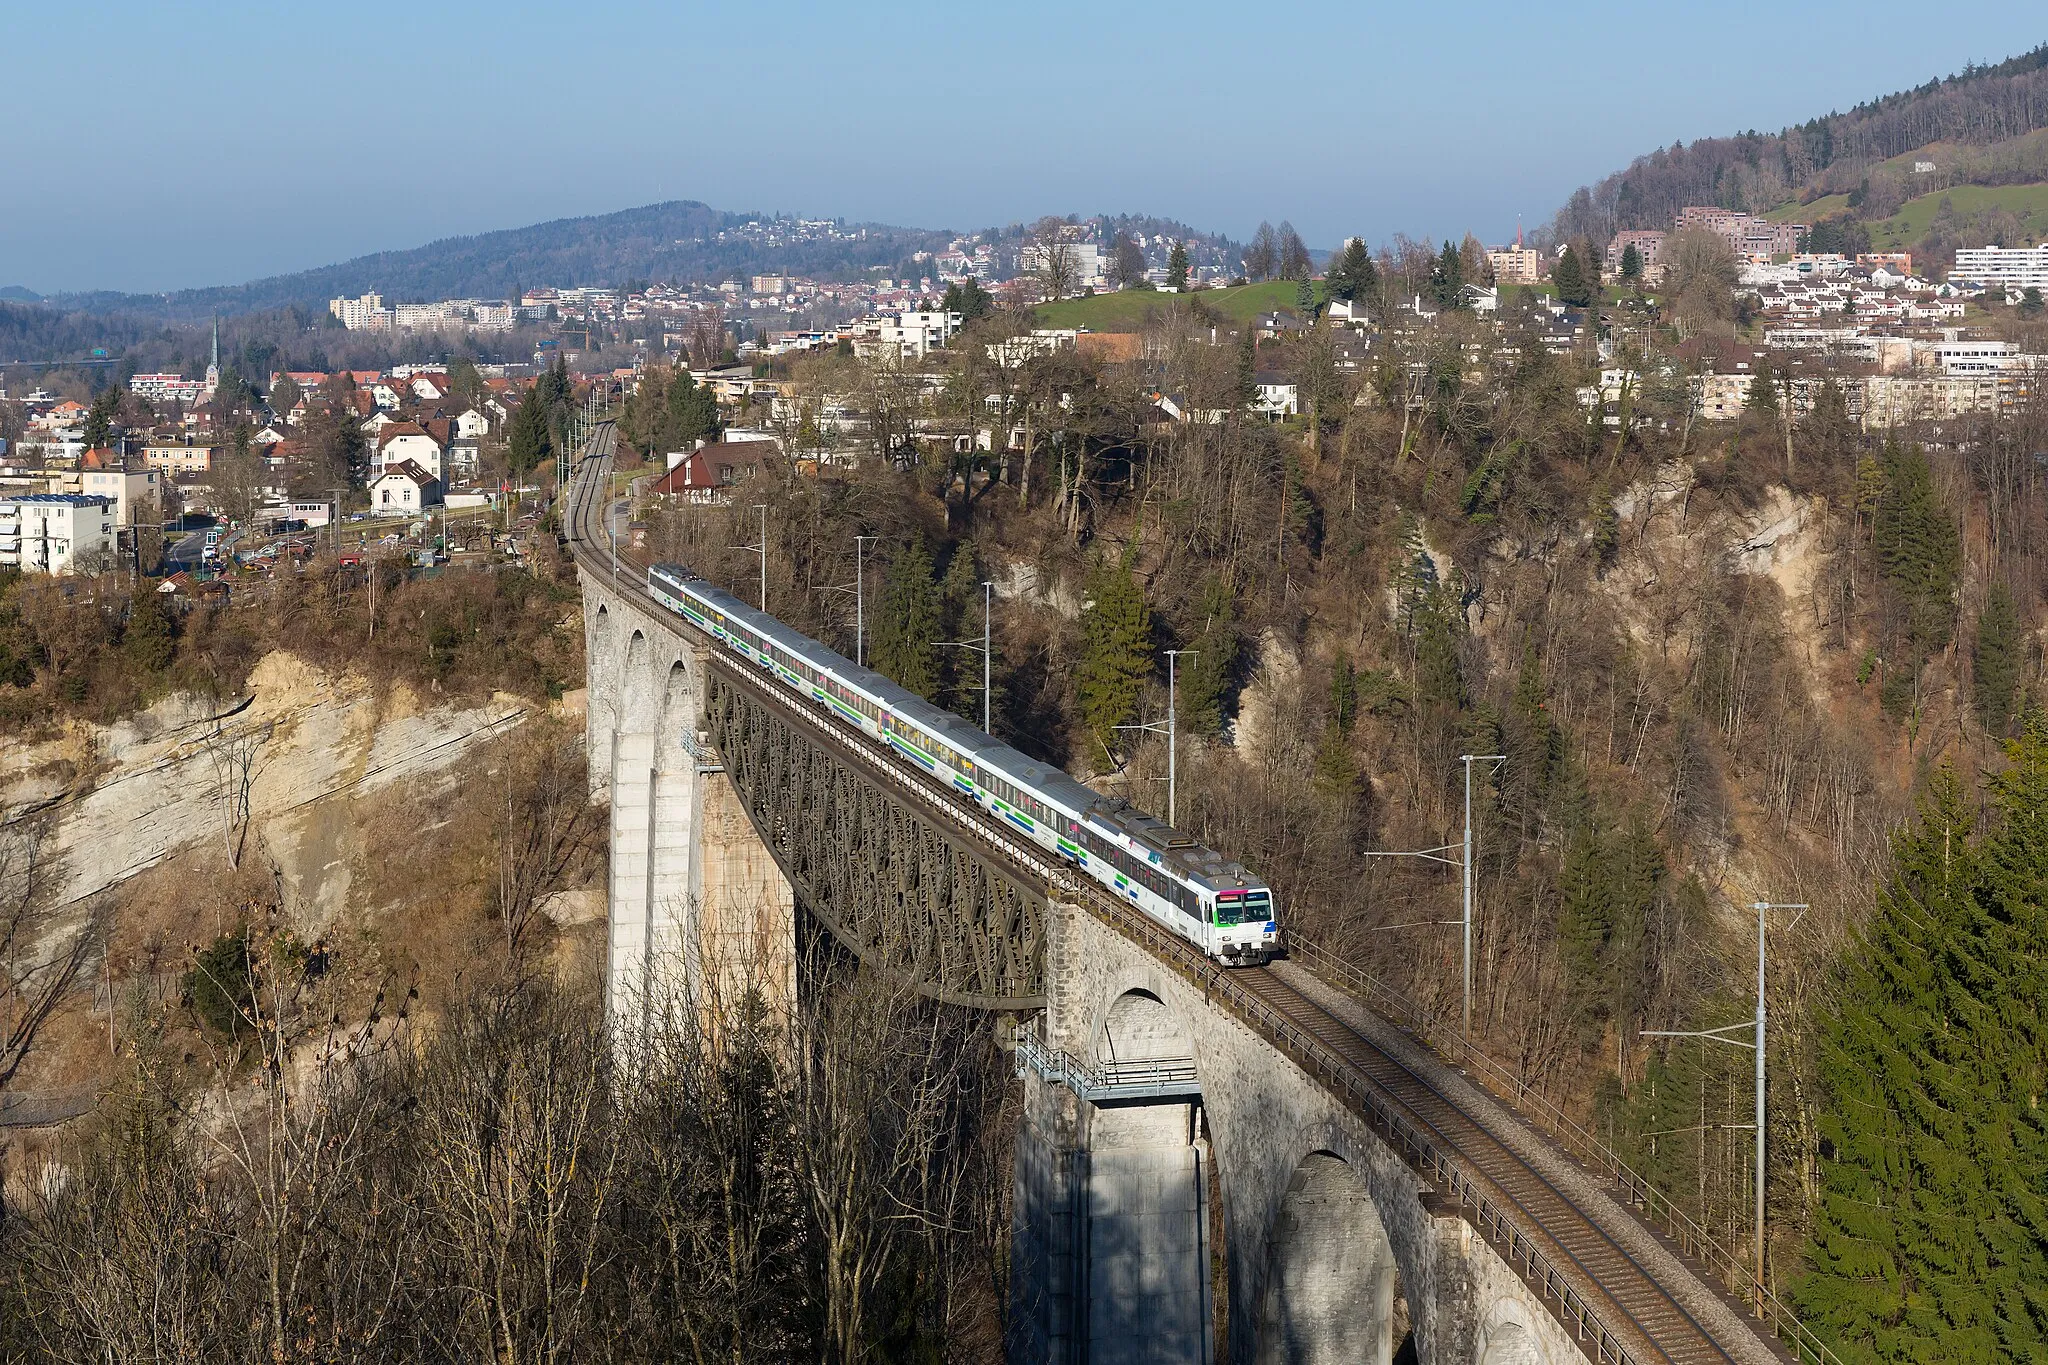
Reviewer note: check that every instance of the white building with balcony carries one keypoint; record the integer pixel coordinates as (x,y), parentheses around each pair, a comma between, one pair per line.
(56,532)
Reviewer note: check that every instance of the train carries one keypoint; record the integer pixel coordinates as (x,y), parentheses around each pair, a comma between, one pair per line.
(1210,901)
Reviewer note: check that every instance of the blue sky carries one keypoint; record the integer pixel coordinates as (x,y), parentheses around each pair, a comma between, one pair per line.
(167,145)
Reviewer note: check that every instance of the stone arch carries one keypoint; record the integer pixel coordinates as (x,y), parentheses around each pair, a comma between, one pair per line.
(680,713)
(1507,1336)
(601,704)
(639,699)
(1332,1285)
(1138,1026)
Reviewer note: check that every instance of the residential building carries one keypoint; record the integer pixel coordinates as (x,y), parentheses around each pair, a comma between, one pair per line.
(167,388)
(1277,397)
(1516,264)
(2009,267)
(137,494)
(365,313)
(465,457)
(179,461)
(402,441)
(56,532)
(1648,243)
(404,487)
(708,474)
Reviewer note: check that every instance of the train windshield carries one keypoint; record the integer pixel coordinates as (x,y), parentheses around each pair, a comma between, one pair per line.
(1243,907)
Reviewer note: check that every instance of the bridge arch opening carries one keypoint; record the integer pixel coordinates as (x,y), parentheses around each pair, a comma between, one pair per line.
(1332,1291)
(1155,1244)
(1506,1337)
(639,691)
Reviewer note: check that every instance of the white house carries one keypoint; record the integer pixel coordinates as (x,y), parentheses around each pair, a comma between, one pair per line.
(1278,396)
(472,424)
(404,487)
(401,441)
(55,532)
(465,455)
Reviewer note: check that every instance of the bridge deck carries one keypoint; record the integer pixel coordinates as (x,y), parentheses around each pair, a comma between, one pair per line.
(1628,1299)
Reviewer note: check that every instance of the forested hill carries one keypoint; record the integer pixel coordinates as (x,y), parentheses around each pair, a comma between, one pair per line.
(1979,107)
(679,240)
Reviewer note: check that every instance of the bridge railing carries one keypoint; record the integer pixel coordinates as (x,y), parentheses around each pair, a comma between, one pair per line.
(1656,1207)
(1150,1078)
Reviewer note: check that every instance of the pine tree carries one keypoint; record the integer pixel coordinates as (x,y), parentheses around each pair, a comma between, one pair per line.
(1996,659)
(1305,297)
(1202,682)
(962,601)
(1930,1241)
(1116,653)
(1570,278)
(151,636)
(528,442)
(1344,695)
(1177,268)
(1762,398)
(906,632)
(1917,545)
(1447,277)
(1631,263)
(1351,270)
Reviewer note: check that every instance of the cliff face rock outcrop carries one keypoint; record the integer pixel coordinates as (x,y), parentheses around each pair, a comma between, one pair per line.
(255,774)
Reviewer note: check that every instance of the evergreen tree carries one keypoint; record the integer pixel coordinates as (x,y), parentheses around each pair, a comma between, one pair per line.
(967,298)
(1201,683)
(1762,398)
(1930,1242)
(961,597)
(151,636)
(528,439)
(1570,277)
(1305,298)
(692,413)
(1351,271)
(1177,267)
(1996,659)
(1447,277)
(1344,695)
(1247,367)
(1631,264)
(1917,545)
(1116,652)
(99,419)
(906,630)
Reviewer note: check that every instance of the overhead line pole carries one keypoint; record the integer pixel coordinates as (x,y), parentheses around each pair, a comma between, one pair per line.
(1468,760)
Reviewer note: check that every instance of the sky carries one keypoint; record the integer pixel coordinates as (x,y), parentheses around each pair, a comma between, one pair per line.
(163,146)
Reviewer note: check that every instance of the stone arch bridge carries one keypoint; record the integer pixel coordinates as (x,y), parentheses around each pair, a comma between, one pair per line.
(1246,1166)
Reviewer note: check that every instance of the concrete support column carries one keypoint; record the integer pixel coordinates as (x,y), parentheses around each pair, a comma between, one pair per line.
(1446,1327)
(1046,1219)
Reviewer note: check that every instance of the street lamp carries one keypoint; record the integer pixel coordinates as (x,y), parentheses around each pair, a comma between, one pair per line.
(1170,727)
(1719,1035)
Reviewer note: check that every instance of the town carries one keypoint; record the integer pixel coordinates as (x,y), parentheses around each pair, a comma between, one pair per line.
(88,485)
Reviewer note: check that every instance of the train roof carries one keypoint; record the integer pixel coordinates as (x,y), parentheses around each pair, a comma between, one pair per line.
(1191,859)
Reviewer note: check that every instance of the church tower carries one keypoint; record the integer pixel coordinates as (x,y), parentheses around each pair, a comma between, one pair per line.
(213,370)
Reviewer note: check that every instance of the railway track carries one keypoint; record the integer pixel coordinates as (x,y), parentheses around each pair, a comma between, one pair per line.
(1617,1307)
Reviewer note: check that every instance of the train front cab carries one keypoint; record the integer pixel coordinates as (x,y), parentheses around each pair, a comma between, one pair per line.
(1244,932)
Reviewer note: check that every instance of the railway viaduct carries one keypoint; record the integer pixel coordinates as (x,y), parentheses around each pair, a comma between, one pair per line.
(1359,1190)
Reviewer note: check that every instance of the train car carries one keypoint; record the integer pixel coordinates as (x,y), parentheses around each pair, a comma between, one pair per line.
(1212,902)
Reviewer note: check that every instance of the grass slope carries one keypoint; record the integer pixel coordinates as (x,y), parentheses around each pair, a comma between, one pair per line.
(2029,203)
(1126,311)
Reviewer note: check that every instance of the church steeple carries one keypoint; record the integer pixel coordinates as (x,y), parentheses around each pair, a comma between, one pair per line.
(213,370)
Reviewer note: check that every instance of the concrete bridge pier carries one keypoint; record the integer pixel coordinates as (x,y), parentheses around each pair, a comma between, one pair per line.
(696,901)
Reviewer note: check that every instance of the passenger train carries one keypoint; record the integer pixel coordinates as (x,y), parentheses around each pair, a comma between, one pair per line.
(1213,903)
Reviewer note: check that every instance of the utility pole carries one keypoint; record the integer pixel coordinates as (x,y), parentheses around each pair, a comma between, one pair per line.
(860,582)
(1756,1044)
(1170,728)
(987,617)
(1468,760)
(762,550)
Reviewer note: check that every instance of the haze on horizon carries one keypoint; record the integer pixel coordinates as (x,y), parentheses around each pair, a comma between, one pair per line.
(158,149)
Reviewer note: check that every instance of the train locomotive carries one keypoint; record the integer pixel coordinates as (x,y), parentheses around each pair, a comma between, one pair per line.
(1192,890)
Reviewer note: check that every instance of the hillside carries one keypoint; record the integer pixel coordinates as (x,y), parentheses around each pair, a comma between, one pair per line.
(1126,311)
(682,240)
(1982,126)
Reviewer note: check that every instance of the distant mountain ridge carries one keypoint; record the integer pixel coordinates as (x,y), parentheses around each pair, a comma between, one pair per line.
(675,240)
(1863,154)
